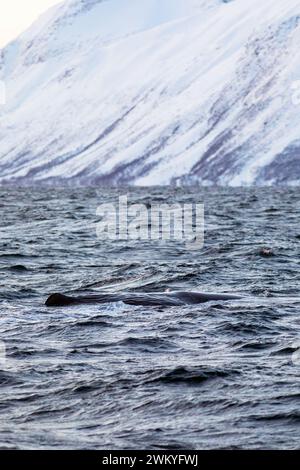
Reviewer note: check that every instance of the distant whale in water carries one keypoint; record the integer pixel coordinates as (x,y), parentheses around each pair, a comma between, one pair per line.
(148,299)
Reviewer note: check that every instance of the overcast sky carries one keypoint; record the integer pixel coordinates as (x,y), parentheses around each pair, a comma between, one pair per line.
(17,15)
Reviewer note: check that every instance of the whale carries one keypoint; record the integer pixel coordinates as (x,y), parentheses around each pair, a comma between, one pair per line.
(147,299)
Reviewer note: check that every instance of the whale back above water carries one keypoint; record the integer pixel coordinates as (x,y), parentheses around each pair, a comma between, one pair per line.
(146,299)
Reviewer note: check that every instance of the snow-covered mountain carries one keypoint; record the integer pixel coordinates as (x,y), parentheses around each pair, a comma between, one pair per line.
(154,92)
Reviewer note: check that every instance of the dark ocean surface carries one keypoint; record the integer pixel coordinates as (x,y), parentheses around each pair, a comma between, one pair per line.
(221,375)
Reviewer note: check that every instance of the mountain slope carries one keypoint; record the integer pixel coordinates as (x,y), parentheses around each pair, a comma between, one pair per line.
(153,92)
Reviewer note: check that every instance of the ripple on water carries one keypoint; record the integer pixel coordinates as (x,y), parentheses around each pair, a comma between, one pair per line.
(217,375)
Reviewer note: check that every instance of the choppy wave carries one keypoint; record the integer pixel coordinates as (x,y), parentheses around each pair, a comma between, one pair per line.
(217,375)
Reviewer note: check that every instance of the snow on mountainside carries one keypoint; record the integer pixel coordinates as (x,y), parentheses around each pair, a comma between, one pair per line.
(154,92)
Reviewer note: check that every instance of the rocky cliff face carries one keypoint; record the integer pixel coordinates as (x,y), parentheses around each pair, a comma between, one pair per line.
(154,92)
